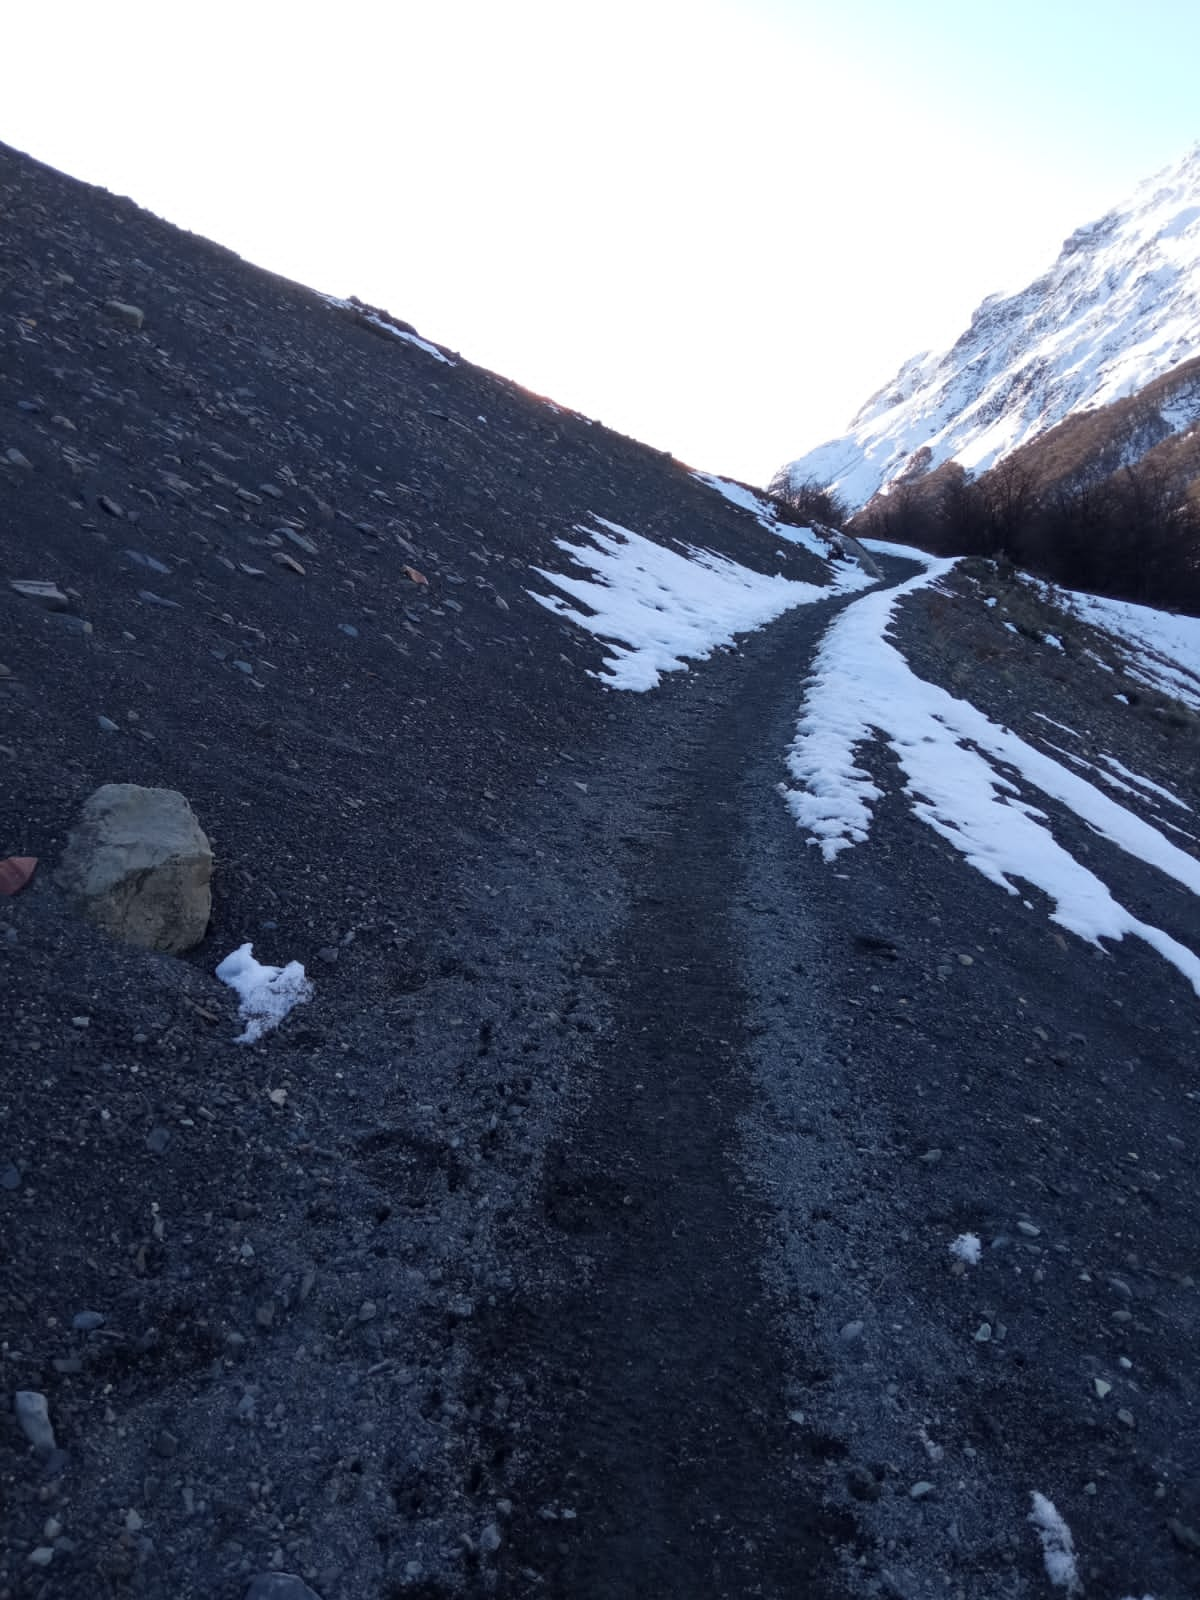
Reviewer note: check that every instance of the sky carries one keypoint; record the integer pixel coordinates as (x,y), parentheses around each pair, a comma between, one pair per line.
(718,225)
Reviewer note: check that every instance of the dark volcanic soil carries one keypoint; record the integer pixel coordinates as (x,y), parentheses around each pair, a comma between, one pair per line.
(597,1244)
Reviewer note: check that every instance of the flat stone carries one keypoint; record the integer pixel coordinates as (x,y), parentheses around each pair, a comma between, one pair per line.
(15,459)
(33,1416)
(122,311)
(279,1586)
(46,594)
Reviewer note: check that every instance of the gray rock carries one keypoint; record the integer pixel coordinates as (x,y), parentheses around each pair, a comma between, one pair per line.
(490,1539)
(33,1415)
(15,459)
(107,725)
(279,1586)
(10,1176)
(86,1321)
(138,865)
(46,594)
(122,311)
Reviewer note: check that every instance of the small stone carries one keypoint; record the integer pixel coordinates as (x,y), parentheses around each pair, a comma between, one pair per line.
(490,1539)
(1126,1417)
(157,1140)
(121,311)
(52,1528)
(851,1332)
(81,1022)
(109,505)
(10,1177)
(271,489)
(1101,1387)
(42,1556)
(348,629)
(134,1521)
(983,1333)
(966,961)
(1029,1229)
(107,725)
(930,1158)
(166,1445)
(368,1311)
(15,459)
(264,1314)
(148,597)
(921,1491)
(287,562)
(88,1321)
(33,1417)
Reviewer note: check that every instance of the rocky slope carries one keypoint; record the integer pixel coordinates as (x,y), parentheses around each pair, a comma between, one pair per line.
(1118,309)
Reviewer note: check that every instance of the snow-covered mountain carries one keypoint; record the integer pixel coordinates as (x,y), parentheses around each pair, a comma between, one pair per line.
(1120,307)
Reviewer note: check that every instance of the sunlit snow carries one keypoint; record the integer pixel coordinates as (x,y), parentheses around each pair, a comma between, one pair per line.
(657,608)
(952,756)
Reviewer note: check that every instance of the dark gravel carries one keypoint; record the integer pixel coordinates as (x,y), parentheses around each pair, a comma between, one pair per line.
(598,1246)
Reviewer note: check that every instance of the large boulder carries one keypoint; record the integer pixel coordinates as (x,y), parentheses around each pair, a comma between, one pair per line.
(138,865)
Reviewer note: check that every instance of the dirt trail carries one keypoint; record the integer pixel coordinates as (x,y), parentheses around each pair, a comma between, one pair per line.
(669,1465)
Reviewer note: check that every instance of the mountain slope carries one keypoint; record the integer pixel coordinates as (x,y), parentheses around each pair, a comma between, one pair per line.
(1120,307)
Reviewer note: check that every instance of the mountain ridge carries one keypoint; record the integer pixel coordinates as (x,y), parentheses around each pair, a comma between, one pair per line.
(1119,307)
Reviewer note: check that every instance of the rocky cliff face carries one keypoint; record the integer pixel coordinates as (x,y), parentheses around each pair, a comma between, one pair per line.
(1119,308)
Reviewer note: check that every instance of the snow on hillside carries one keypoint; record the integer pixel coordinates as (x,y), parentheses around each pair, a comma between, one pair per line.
(952,757)
(656,607)
(1160,648)
(1120,306)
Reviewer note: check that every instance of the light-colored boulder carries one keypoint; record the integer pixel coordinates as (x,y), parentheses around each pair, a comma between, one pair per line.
(138,865)
(121,311)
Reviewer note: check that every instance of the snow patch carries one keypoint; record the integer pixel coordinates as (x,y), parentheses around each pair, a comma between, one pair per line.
(967,1247)
(267,993)
(1058,1547)
(656,608)
(951,755)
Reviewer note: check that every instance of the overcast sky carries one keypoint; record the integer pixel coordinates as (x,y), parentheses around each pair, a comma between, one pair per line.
(718,225)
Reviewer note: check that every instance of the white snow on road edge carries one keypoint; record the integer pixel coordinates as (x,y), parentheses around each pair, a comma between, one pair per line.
(267,993)
(951,755)
(656,608)
(1163,649)
(390,327)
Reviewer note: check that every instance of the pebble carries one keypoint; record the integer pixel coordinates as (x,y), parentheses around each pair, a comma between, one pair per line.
(88,1321)
(983,1333)
(158,1139)
(490,1539)
(33,1417)
(1029,1229)
(16,459)
(930,1158)
(152,599)
(1126,1417)
(851,1332)
(109,505)
(10,1177)
(107,725)
(921,1491)
(348,629)
(966,961)
(42,1556)
(1101,1387)
(368,1311)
